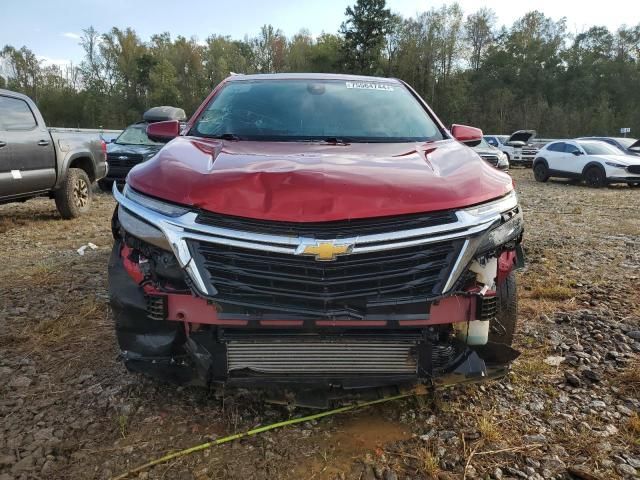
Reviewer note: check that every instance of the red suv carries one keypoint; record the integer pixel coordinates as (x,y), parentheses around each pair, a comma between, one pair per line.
(315,230)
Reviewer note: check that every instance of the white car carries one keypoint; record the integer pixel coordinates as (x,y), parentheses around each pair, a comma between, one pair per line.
(594,161)
(516,146)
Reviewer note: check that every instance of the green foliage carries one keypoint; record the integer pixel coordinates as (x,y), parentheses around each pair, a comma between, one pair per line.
(364,30)
(531,74)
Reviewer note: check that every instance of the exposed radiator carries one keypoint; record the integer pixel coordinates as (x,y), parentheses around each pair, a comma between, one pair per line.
(322,357)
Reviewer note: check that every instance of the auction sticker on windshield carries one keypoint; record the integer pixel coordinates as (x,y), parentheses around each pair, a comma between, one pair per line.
(370,86)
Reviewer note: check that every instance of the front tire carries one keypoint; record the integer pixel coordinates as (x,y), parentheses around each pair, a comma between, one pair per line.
(541,172)
(504,327)
(74,197)
(595,177)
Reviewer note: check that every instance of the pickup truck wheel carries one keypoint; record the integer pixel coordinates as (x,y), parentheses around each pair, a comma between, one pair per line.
(74,197)
(504,325)
(541,172)
(595,177)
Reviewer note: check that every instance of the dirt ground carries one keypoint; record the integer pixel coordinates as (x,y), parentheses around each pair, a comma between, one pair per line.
(70,410)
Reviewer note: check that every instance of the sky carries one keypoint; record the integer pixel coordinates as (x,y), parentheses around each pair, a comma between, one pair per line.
(52,28)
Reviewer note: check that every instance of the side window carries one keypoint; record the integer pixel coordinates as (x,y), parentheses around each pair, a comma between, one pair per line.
(491,141)
(570,148)
(16,114)
(556,147)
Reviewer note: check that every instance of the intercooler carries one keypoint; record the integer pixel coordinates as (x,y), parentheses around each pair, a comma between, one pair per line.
(322,357)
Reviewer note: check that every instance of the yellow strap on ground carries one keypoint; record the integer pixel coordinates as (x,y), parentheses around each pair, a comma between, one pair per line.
(255,431)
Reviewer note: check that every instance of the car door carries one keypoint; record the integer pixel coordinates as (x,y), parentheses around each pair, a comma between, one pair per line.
(574,158)
(553,155)
(27,164)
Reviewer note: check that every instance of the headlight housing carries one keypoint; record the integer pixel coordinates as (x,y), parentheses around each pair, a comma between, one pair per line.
(503,160)
(504,204)
(165,208)
(616,165)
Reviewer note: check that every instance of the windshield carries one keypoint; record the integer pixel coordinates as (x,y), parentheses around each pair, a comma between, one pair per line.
(483,143)
(135,135)
(307,110)
(626,142)
(600,148)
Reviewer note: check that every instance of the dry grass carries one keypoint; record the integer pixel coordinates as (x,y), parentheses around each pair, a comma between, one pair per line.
(429,463)
(77,316)
(628,381)
(631,431)
(551,292)
(489,429)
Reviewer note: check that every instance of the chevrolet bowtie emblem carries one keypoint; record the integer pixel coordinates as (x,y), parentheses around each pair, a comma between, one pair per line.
(324,251)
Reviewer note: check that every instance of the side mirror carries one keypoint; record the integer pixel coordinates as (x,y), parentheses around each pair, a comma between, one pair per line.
(470,136)
(577,153)
(113,140)
(163,131)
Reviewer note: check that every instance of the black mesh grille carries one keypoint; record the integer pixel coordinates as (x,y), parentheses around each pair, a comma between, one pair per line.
(337,229)
(123,160)
(634,169)
(358,285)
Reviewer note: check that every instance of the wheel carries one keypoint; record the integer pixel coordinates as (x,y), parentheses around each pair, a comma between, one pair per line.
(541,172)
(595,177)
(105,185)
(635,185)
(74,197)
(504,325)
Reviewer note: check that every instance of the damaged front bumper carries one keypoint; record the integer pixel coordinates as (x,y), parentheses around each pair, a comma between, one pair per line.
(201,303)
(180,338)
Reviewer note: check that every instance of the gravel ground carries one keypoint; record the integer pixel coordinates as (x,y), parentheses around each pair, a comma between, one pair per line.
(69,409)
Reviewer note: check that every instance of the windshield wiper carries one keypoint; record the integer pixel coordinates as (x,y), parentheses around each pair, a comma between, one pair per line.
(224,136)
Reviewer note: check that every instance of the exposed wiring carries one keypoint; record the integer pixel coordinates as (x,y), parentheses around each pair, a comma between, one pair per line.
(204,446)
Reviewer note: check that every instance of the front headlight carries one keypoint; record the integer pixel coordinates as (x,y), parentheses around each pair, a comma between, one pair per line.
(504,204)
(168,209)
(616,165)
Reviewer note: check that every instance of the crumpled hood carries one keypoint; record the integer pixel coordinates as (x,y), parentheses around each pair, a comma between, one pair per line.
(314,182)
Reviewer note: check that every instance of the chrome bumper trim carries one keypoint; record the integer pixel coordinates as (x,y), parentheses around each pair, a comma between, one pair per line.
(184,227)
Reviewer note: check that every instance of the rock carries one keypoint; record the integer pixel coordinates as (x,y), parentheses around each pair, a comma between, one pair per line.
(24,465)
(624,469)
(497,473)
(624,410)
(634,462)
(598,404)
(389,475)
(553,463)
(537,438)
(591,375)
(47,468)
(635,334)
(20,382)
(572,379)
(554,361)
(516,472)
(7,460)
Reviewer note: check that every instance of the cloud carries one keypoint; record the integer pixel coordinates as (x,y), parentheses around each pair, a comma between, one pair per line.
(71,35)
(48,61)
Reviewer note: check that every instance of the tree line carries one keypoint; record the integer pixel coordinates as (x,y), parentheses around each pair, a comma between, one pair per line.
(531,74)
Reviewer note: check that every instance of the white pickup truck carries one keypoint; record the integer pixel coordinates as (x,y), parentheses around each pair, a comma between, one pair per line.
(36,161)
(517,146)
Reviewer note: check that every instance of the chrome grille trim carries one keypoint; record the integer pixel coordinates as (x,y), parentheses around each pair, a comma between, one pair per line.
(182,228)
